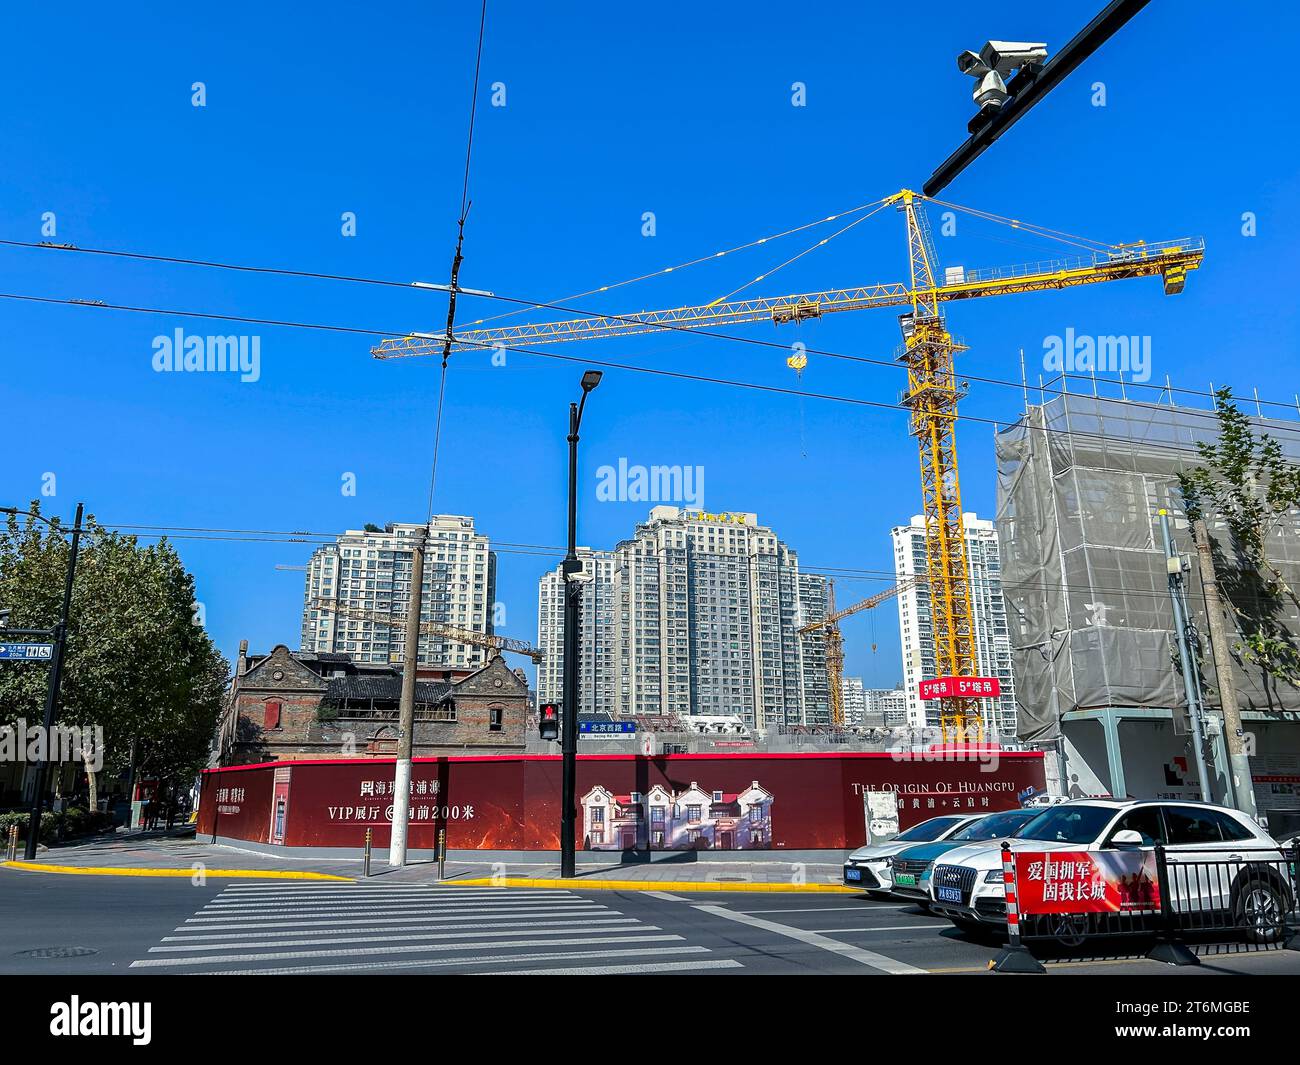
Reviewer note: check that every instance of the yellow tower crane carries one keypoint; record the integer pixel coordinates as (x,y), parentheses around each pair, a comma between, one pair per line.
(933,389)
(835,640)
(494,644)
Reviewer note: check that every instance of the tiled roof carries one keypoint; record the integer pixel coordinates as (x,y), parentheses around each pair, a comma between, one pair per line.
(381,689)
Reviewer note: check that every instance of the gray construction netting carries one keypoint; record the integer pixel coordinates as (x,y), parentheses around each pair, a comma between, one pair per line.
(1081,480)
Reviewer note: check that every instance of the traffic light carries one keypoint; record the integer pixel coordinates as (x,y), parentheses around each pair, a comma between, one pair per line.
(549,721)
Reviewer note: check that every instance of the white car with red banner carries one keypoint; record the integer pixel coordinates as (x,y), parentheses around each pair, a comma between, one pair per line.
(1097,856)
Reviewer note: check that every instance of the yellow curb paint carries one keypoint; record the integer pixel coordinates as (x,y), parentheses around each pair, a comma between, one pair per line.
(229,874)
(652,885)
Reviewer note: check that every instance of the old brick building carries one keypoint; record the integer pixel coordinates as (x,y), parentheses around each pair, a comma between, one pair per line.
(295,705)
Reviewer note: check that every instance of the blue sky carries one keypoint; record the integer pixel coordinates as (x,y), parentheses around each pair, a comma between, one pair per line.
(610,112)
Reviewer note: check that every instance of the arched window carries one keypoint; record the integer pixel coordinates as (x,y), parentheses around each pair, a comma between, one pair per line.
(271,717)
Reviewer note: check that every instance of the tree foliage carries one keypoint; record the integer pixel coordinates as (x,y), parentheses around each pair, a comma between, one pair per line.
(1245,482)
(136,663)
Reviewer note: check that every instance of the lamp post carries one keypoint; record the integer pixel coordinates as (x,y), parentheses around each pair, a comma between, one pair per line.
(56,678)
(570,570)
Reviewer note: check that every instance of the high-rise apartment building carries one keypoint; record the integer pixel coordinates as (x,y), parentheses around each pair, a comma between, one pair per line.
(855,700)
(885,707)
(370,570)
(697,613)
(988,616)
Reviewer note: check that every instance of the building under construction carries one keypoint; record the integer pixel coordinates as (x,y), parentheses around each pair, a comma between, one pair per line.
(1081,479)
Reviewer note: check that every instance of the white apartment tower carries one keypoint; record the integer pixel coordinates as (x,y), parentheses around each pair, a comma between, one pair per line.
(369,571)
(697,613)
(989,617)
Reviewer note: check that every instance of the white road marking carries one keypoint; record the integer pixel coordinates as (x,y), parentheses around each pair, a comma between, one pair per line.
(486,959)
(664,896)
(813,939)
(403,903)
(394,939)
(318,920)
(617,970)
(334,929)
(421,949)
(361,911)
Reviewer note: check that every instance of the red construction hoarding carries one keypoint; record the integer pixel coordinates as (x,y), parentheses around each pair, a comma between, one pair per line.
(669,802)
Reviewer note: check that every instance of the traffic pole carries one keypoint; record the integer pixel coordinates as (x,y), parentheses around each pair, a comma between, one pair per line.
(406,707)
(52,692)
(1015,958)
(1191,690)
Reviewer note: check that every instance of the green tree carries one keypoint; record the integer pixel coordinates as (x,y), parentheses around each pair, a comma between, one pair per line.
(1245,482)
(137,664)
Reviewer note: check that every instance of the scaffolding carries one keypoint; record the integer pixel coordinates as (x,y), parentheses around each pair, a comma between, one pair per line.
(1080,481)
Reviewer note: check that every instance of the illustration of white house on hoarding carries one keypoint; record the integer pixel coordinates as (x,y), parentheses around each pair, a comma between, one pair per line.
(693,819)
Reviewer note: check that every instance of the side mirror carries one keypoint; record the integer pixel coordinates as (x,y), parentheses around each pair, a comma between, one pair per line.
(1126,838)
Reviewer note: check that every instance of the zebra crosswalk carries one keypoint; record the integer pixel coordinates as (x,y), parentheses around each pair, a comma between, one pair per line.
(264,929)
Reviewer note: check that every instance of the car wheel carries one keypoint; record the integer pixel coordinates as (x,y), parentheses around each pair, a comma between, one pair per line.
(1070,930)
(1260,910)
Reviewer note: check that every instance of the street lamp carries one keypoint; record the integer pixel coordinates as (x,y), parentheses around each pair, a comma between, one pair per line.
(56,677)
(570,570)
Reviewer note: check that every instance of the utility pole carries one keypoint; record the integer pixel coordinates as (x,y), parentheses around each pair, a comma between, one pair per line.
(570,570)
(406,707)
(52,691)
(1174,567)
(1243,784)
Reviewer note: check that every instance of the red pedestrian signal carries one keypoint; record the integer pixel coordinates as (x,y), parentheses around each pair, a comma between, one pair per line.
(549,721)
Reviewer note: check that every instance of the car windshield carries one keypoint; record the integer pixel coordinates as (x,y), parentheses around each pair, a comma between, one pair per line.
(994,826)
(1068,824)
(928,831)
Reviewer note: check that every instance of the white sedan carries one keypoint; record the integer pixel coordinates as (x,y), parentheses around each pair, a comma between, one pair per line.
(967,888)
(868,868)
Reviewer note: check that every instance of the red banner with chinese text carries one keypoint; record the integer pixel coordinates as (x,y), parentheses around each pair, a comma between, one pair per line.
(1086,881)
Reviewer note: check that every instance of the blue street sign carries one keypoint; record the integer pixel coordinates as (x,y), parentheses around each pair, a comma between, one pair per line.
(26,652)
(606,728)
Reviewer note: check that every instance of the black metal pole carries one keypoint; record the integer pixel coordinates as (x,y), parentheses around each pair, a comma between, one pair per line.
(569,716)
(52,693)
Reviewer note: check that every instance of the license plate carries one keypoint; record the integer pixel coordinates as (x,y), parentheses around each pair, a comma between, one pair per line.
(905,879)
(948,894)
(852,874)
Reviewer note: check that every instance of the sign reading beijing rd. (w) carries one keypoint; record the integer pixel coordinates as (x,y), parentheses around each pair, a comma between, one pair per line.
(960,688)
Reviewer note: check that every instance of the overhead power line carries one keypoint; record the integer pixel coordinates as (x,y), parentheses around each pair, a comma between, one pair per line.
(671,374)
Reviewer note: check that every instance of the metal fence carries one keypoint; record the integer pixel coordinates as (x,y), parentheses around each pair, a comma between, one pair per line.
(1224,900)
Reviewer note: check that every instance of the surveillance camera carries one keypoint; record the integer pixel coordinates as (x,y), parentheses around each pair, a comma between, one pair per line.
(990,68)
(991,90)
(1008,56)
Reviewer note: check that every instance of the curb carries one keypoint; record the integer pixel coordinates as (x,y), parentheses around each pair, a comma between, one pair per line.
(232,874)
(579,884)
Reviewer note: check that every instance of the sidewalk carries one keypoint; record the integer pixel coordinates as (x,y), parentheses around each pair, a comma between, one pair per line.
(177,853)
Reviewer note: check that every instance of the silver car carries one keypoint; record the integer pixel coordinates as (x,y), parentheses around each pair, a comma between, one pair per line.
(867,867)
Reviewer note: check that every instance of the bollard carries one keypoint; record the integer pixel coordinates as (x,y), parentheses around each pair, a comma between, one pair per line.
(11,844)
(442,853)
(1015,958)
(365,866)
